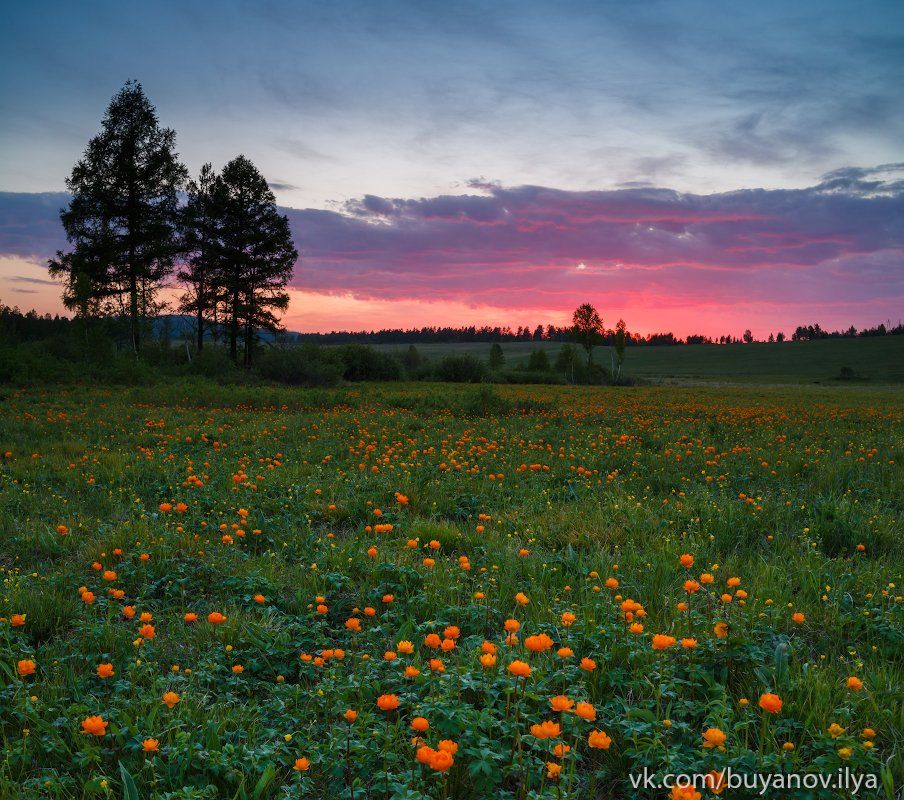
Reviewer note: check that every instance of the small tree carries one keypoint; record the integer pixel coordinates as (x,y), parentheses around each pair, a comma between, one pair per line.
(748,337)
(538,361)
(620,340)
(254,252)
(566,361)
(587,329)
(123,216)
(497,357)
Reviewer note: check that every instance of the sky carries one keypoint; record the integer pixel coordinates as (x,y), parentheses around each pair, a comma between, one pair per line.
(687,166)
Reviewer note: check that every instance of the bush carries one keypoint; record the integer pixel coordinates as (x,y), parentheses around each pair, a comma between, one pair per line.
(306,365)
(461,369)
(363,363)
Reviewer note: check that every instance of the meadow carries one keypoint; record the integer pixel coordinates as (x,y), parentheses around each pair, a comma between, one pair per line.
(877,359)
(432,591)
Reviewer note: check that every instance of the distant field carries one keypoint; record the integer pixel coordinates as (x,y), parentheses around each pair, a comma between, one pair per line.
(877,360)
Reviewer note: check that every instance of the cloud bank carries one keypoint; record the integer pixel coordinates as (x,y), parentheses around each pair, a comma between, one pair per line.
(834,250)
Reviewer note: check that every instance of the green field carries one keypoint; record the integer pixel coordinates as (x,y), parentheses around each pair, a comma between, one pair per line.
(876,360)
(432,592)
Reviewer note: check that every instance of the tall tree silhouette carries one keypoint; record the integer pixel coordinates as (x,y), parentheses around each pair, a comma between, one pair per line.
(587,328)
(201,225)
(255,254)
(123,215)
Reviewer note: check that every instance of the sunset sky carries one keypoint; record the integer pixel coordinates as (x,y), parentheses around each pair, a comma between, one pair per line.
(694,167)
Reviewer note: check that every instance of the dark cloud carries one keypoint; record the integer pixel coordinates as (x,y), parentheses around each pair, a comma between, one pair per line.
(839,241)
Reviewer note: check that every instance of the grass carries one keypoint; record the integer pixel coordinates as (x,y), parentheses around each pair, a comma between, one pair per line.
(873,360)
(330,527)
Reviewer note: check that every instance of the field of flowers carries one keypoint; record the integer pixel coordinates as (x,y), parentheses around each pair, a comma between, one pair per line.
(446,592)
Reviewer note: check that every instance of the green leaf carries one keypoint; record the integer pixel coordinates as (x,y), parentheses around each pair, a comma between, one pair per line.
(129,789)
(263,782)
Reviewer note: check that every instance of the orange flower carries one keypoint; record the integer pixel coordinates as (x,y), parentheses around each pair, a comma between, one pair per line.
(353,624)
(488,660)
(432,640)
(713,737)
(109,575)
(411,672)
(663,642)
(561,703)
(165,507)
(17,620)
(191,617)
(452,632)
(611,583)
(147,632)
(170,699)
(420,724)
(387,702)
(691,586)
(519,669)
(521,599)
(561,750)
(770,702)
(553,770)
(216,618)
(685,793)
(854,683)
(238,669)
(546,730)
(599,740)
(564,652)
(512,625)
(95,726)
(798,618)
(128,612)
(301,765)
(721,629)
(105,671)
(425,754)
(706,578)
(568,619)
(715,782)
(687,560)
(689,643)
(538,643)
(87,598)
(588,664)
(585,711)
(350,715)
(26,667)
(441,760)
(150,745)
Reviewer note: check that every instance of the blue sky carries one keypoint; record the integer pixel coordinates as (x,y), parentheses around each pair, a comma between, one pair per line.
(501,161)
(408,99)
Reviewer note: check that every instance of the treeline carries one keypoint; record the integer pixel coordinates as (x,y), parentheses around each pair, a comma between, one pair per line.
(551,333)
(37,349)
(130,235)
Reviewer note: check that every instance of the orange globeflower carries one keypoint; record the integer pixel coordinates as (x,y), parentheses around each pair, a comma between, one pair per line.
(301,765)
(488,660)
(721,629)
(663,642)
(691,586)
(105,671)
(689,643)
(216,618)
(611,583)
(599,740)
(165,507)
(521,599)
(561,703)
(191,617)
(538,643)
(95,726)
(420,724)
(713,737)
(798,618)
(588,664)
(150,745)
(441,760)
(26,667)
(771,703)
(387,702)
(170,699)
(687,560)
(350,715)
(854,683)
(568,619)
(685,793)
(17,620)
(546,730)
(512,625)
(452,632)
(432,640)
(87,598)
(553,770)
(147,632)
(519,669)
(585,711)
(405,647)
